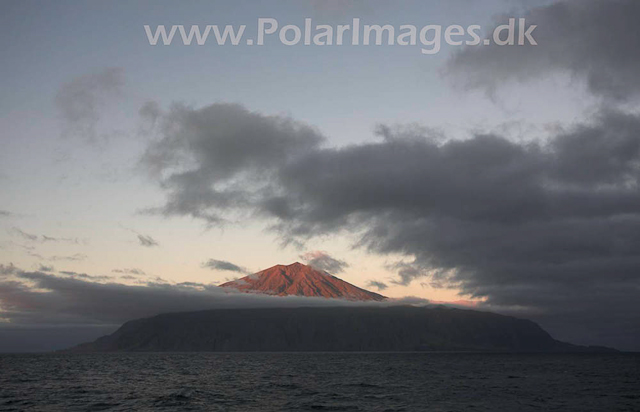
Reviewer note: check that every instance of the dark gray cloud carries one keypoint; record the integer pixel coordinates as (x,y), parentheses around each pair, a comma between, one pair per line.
(81,100)
(548,229)
(147,241)
(592,40)
(377,284)
(223,265)
(323,261)
(406,272)
(538,228)
(220,157)
(44,268)
(4,213)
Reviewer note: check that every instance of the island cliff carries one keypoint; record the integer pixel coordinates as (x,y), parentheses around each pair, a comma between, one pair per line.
(366,328)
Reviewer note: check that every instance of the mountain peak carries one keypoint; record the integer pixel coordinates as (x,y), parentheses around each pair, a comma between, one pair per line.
(300,280)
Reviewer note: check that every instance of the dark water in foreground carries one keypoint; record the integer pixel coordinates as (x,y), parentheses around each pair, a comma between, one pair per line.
(319,382)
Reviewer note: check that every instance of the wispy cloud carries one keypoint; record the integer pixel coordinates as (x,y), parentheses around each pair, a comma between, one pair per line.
(81,100)
(147,241)
(74,257)
(74,241)
(132,271)
(143,239)
(323,261)
(95,278)
(406,272)
(44,238)
(24,235)
(223,265)
(377,284)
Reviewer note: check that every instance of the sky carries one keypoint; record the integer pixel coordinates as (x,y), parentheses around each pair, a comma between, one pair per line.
(134,178)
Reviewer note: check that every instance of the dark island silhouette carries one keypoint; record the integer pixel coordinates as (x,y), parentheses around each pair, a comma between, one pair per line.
(371,327)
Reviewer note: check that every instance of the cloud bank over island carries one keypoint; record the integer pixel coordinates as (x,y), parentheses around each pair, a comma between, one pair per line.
(36,298)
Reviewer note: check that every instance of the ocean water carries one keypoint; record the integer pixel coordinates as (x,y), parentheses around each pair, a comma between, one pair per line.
(319,382)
